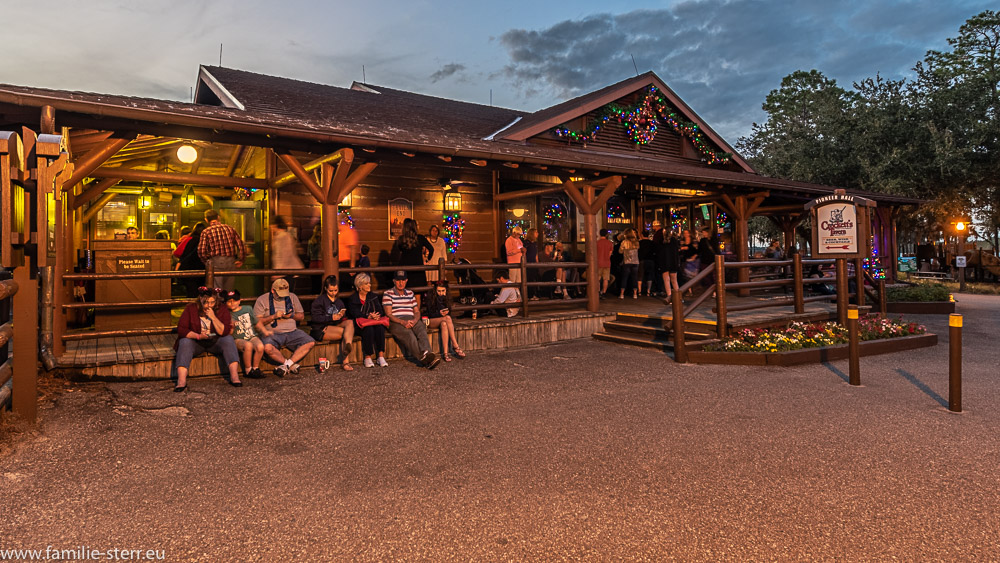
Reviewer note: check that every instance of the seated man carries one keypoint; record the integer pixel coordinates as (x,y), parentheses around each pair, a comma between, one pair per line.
(405,324)
(329,321)
(278,312)
(508,294)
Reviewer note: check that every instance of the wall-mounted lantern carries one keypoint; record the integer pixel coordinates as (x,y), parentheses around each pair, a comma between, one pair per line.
(453,202)
(188,199)
(146,199)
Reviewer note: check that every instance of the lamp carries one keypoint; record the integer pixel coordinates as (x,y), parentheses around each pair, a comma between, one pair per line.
(187,154)
(146,199)
(188,199)
(518,212)
(453,202)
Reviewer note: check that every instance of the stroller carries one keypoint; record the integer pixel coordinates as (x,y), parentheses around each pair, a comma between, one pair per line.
(470,295)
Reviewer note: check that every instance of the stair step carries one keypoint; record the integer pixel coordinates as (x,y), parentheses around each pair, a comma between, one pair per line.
(632,328)
(636,340)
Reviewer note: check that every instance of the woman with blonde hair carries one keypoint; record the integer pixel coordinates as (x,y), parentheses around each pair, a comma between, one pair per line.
(629,248)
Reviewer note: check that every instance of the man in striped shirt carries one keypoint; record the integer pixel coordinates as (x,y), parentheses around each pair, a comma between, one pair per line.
(405,323)
(222,246)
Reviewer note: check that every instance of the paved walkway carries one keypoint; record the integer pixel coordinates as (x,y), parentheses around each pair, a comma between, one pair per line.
(575,451)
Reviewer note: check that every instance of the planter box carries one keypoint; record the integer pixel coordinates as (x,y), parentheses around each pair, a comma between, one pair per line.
(812,355)
(921,307)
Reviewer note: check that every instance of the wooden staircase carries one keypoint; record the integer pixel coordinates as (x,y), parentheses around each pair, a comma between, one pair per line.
(651,331)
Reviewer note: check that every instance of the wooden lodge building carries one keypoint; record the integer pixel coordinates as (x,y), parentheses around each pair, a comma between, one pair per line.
(80,168)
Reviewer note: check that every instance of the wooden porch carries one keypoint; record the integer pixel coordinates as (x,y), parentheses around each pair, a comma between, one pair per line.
(151,356)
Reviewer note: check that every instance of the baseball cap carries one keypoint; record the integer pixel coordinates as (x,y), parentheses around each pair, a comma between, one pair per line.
(400,275)
(280,287)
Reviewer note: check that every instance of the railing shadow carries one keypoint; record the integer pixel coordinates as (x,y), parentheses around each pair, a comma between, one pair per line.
(922,386)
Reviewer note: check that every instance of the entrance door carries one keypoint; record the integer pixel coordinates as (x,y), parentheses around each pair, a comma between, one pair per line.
(248,220)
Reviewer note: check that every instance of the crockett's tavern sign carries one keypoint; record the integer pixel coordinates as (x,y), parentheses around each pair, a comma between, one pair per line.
(838,227)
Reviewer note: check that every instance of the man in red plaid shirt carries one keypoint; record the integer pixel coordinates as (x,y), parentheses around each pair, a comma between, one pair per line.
(222,246)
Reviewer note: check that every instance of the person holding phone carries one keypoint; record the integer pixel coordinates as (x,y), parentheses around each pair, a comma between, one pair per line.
(365,308)
(330,322)
(279,312)
(439,315)
(204,326)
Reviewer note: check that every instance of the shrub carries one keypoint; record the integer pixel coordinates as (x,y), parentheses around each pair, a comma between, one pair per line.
(922,292)
(813,335)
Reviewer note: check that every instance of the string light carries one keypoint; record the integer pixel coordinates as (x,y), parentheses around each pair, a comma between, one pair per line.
(552,220)
(511,223)
(453,226)
(641,124)
(242,194)
(346,219)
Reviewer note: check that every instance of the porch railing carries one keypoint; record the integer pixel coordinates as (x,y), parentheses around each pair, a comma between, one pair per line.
(796,280)
(209,274)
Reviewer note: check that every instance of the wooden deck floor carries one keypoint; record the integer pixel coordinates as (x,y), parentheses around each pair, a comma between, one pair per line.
(151,356)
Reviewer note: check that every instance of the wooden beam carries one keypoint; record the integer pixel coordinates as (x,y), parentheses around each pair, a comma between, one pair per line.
(356,177)
(336,182)
(574,193)
(90,162)
(95,189)
(97,206)
(754,203)
(506,196)
(303,176)
(291,176)
(172,178)
(609,185)
(680,200)
(234,160)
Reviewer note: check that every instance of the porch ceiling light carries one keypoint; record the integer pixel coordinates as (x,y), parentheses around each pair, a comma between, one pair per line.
(187,154)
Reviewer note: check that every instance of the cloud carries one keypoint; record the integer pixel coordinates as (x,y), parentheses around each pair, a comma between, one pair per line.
(446,71)
(724,56)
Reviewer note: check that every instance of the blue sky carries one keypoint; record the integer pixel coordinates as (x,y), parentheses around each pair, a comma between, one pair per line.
(721,56)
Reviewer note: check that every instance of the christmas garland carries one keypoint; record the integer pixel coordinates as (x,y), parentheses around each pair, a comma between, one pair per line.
(553,216)
(641,124)
(616,211)
(346,219)
(453,226)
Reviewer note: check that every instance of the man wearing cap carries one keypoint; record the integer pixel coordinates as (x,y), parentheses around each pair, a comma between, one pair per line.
(278,312)
(404,322)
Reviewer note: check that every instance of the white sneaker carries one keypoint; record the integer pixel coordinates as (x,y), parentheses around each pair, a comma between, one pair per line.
(294,368)
(382,363)
(369,363)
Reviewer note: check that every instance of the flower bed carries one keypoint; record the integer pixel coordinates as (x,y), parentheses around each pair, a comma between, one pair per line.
(797,336)
(802,343)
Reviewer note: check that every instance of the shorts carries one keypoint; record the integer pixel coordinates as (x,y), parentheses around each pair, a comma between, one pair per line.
(241,344)
(604,273)
(291,340)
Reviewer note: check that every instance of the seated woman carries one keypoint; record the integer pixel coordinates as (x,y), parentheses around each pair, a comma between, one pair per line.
(438,309)
(206,326)
(329,321)
(366,310)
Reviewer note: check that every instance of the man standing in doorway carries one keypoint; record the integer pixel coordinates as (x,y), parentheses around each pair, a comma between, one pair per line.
(604,248)
(222,246)
(515,249)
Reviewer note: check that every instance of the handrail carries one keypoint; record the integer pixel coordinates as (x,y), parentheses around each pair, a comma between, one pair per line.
(8,290)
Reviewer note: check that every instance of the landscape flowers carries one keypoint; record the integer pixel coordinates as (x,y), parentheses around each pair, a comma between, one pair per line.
(814,335)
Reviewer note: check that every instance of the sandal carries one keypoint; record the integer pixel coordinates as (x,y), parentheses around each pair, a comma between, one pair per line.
(447,358)
(347,367)
(459,353)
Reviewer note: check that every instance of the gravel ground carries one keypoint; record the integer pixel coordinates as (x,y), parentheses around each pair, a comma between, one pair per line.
(582,450)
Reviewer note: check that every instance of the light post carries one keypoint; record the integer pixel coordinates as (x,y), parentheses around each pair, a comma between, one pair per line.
(961,225)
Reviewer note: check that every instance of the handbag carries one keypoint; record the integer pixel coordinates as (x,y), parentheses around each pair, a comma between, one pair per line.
(366,322)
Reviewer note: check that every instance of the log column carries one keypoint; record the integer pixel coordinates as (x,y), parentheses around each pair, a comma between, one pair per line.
(742,208)
(589,203)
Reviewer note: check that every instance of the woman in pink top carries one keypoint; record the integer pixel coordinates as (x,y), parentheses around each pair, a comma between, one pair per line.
(515,249)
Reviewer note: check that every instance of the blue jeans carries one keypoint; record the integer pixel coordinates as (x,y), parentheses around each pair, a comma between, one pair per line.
(224,347)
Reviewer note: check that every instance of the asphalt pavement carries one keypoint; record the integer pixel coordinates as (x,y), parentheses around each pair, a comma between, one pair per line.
(577,451)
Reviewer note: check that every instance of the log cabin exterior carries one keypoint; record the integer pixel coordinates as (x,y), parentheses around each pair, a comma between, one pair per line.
(630,154)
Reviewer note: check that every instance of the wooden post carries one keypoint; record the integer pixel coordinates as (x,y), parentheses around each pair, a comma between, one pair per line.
(882,306)
(842,291)
(329,243)
(441,270)
(854,377)
(859,280)
(590,232)
(797,287)
(26,306)
(209,274)
(524,287)
(955,362)
(742,227)
(680,351)
(721,322)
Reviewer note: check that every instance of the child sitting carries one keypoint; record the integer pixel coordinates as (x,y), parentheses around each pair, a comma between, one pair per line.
(244,325)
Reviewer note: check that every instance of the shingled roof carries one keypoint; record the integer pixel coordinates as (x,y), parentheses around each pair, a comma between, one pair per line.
(377,116)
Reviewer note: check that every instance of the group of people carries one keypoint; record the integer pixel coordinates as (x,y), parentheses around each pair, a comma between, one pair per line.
(526,244)
(657,263)
(217,322)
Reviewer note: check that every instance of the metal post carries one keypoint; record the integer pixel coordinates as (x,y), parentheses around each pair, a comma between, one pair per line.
(721,320)
(842,298)
(955,362)
(800,305)
(852,331)
(680,351)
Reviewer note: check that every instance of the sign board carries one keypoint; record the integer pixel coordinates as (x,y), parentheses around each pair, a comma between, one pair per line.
(399,209)
(133,264)
(838,228)
(960,261)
